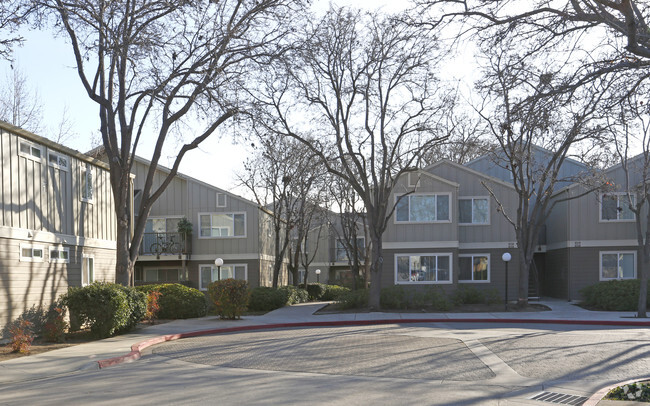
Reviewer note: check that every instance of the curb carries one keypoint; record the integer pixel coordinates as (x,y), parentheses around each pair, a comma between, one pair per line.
(598,396)
(137,348)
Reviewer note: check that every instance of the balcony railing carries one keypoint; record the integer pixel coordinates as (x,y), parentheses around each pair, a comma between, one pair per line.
(165,244)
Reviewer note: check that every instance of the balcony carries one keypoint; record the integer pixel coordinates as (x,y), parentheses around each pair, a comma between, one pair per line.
(165,245)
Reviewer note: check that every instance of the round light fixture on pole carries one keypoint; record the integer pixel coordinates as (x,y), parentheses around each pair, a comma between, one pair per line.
(218,262)
(317,276)
(506,257)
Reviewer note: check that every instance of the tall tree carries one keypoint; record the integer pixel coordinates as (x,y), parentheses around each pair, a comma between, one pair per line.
(283,176)
(19,104)
(360,93)
(13,13)
(150,64)
(631,132)
(536,131)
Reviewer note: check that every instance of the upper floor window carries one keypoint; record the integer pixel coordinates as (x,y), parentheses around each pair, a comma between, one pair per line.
(419,208)
(221,200)
(57,160)
(474,268)
(617,265)
(475,210)
(222,225)
(426,268)
(30,150)
(31,253)
(59,254)
(342,252)
(616,207)
(87,190)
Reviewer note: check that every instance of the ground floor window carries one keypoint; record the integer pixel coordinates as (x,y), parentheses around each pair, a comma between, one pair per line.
(211,273)
(31,253)
(87,270)
(162,275)
(59,254)
(423,268)
(474,268)
(617,265)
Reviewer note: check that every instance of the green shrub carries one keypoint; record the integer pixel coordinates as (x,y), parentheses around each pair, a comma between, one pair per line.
(178,301)
(264,299)
(55,325)
(617,295)
(332,292)
(230,297)
(294,295)
(492,296)
(107,308)
(35,315)
(355,299)
(393,297)
(316,291)
(466,294)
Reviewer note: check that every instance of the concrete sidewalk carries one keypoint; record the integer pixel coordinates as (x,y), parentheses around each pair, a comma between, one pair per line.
(87,356)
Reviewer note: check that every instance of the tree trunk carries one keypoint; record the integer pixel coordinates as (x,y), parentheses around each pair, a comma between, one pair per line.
(524,272)
(643,281)
(375,274)
(123,264)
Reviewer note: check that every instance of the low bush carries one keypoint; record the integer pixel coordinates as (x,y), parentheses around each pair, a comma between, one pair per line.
(35,315)
(153,306)
(294,295)
(618,295)
(107,308)
(230,297)
(354,299)
(332,292)
(264,299)
(178,301)
(316,291)
(398,298)
(466,294)
(55,325)
(21,336)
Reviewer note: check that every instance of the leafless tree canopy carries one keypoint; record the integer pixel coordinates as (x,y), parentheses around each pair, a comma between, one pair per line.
(148,64)
(13,13)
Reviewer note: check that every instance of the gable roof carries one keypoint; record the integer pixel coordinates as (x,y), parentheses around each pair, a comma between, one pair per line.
(468,170)
(534,147)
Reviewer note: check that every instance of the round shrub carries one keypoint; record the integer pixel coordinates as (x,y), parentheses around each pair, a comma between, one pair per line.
(107,308)
(264,299)
(178,301)
(294,295)
(230,297)
(332,292)
(315,291)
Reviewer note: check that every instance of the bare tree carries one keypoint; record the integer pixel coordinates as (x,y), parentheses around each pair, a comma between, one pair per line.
(149,64)
(19,104)
(282,177)
(468,140)
(13,13)
(360,94)
(631,132)
(536,131)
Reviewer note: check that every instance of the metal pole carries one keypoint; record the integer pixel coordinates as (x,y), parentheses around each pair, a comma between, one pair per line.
(506,303)
(219,272)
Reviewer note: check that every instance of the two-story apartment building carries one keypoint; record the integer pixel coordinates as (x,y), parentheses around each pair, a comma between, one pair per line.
(57,222)
(225,226)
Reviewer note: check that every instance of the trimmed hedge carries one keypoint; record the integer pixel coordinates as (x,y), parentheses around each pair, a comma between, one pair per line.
(264,299)
(230,297)
(471,295)
(178,301)
(106,307)
(294,295)
(332,292)
(354,299)
(617,295)
(316,291)
(397,297)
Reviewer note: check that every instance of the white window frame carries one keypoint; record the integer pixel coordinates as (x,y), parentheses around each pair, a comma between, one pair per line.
(32,257)
(428,254)
(59,249)
(58,157)
(85,172)
(225,200)
(600,264)
(409,221)
(181,275)
(89,278)
(214,268)
(233,229)
(32,146)
(617,219)
(489,268)
(472,198)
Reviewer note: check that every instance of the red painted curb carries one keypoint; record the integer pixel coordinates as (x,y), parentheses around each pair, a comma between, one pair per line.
(136,349)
